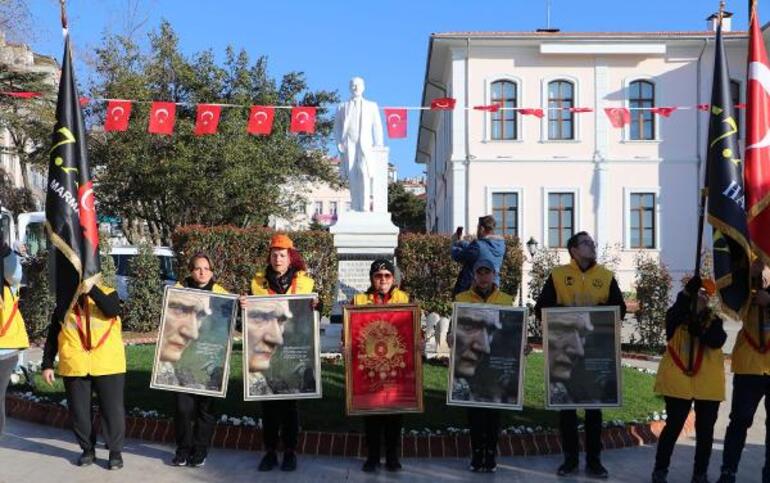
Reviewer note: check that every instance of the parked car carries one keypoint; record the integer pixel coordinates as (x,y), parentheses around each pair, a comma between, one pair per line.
(122,256)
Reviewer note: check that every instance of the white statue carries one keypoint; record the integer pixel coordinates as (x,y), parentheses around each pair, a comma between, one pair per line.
(357,131)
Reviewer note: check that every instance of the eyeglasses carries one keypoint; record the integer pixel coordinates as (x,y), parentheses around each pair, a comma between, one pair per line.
(383,276)
(588,243)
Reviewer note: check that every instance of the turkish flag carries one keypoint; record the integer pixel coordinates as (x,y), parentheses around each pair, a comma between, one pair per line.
(162,116)
(442,104)
(757,163)
(302,120)
(396,120)
(532,112)
(489,108)
(22,94)
(619,116)
(207,119)
(261,120)
(663,111)
(704,107)
(580,109)
(118,114)
(84,101)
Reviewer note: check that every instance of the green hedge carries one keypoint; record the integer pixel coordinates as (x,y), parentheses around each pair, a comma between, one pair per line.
(429,274)
(237,253)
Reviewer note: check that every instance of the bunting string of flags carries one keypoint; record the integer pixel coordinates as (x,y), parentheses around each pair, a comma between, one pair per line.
(303,118)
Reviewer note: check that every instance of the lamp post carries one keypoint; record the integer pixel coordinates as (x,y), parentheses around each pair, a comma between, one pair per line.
(532,249)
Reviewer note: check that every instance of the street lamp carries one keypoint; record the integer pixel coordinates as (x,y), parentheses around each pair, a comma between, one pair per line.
(532,249)
(532,246)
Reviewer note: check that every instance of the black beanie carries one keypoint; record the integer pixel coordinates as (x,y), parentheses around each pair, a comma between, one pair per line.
(382,264)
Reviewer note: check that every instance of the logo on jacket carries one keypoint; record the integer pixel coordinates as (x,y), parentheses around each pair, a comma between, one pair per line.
(569,280)
(597,283)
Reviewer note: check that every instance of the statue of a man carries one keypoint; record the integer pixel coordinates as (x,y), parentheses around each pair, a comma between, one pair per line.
(357,130)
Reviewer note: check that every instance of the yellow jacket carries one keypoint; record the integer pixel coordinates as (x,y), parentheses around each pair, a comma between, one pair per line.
(216,288)
(103,354)
(577,288)
(496,297)
(301,284)
(13,333)
(747,357)
(708,382)
(397,296)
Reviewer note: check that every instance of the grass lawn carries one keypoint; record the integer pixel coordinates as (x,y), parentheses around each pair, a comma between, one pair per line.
(328,413)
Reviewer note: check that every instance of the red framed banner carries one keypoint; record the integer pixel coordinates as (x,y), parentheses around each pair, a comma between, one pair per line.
(383,361)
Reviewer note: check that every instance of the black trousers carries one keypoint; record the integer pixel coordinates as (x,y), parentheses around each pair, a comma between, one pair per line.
(748,391)
(109,391)
(382,425)
(194,423)
(706,413)
(568,429)
(485,428)
(280,416)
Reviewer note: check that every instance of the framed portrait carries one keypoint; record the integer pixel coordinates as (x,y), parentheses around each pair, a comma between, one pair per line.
(383,361)
(281,348)
(582,357)
(192,354)
(486,361)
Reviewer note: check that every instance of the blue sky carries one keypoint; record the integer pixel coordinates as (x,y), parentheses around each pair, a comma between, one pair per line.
(385,42)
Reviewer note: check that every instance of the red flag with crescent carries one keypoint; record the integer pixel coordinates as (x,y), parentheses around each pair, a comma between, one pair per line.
(396,120)
(118,114)
(488,108)
(207,119)
(618,116)
(537,112)
(663,111)
(443,104)
(757,167)
(261,120)
(302,120)
(162,117)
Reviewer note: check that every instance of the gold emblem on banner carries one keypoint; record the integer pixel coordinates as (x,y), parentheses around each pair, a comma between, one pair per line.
(381,353)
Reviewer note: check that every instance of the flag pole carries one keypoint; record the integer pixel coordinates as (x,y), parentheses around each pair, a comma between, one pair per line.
(63,12)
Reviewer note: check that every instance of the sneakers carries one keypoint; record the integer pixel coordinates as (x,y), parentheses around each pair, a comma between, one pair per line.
(289,461)
(197,460)
(569,467)
(477,461)
(269,461)
(180,458)
(660,476)
(727,476)
(700,478)
(116,460)
(596,470)
(370,465)
(490,463)
(87,458)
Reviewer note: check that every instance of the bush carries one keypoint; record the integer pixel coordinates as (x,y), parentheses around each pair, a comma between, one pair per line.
(142,311)
(653,287)
(37,302)
(543,261)
(429,275)
(109,271)
(238,253)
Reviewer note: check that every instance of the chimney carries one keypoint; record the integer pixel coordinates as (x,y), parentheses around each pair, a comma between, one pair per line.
(713,21)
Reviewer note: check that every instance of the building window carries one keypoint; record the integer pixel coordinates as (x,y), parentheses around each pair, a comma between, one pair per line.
(504,93)
(561,97)
(319,208)
(505,209)
(348,206)
(561,219)
(641,98)
(333,208)
(735,96)
(642,220)
(302,208)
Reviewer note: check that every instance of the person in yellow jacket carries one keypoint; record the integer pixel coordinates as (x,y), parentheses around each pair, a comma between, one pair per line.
(582,282)
(484,423)
(285,274)
(382,290)
(682,387)
(13,333)
(751,376)
(194,420)
(91,358)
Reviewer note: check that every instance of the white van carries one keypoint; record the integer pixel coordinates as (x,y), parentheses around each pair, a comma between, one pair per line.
(122,256)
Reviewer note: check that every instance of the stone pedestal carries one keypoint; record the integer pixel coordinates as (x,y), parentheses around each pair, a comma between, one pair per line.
(360,238)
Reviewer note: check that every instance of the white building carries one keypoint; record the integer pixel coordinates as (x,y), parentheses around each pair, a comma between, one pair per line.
(416,185)
(548,178)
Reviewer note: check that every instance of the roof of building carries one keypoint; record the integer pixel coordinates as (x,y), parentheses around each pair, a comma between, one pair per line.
(588,35)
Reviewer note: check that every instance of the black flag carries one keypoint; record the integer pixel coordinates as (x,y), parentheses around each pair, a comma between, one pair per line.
(726,198)
(69,205)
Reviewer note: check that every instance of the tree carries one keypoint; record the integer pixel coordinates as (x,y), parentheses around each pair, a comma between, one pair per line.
(229,178)
(145,292)
(408,210)
(16,200)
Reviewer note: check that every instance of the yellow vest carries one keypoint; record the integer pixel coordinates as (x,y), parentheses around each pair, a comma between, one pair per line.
(13,333)
(103,355)
(301,284)
(746,357)
(708,383)
(575,288)
(215,289)
(497,298)
(397,296)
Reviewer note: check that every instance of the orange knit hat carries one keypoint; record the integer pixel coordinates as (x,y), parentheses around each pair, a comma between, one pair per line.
(280,240)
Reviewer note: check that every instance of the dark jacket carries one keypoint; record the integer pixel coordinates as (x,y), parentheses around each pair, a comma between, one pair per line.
(681,313)
(490,247)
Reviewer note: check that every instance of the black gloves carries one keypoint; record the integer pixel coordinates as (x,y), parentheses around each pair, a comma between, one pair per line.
(693,285)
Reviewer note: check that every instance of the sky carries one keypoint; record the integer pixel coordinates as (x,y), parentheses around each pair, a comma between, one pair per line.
(385,42)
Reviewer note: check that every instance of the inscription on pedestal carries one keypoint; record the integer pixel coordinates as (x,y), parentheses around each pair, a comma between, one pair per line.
(353,277)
